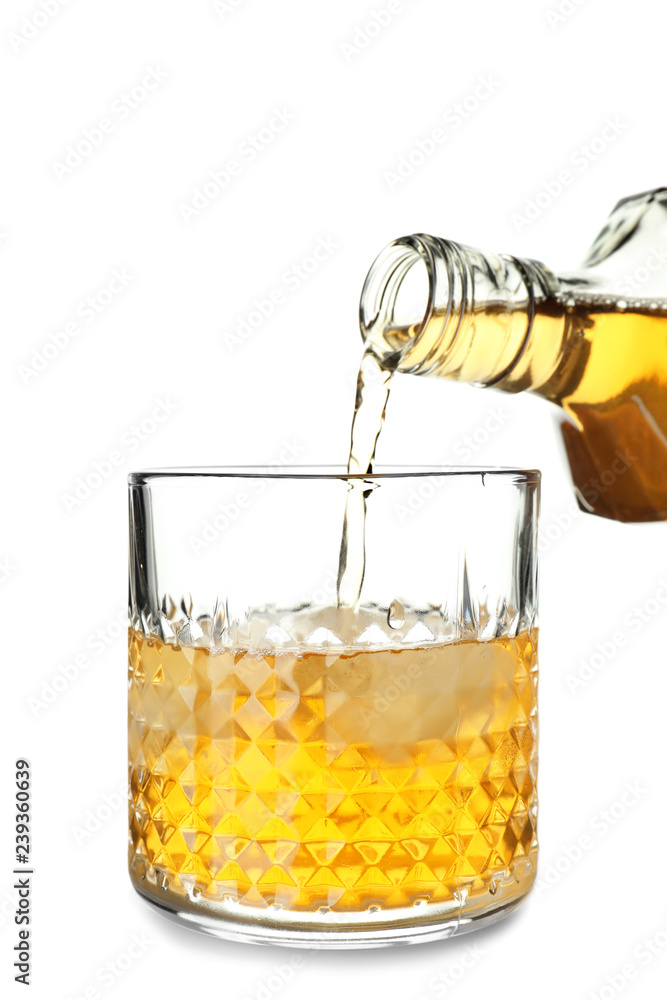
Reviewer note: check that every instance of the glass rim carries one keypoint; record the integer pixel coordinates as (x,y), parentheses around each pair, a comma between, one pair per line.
(456,473)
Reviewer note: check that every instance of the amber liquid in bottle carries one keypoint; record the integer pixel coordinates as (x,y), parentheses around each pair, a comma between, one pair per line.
(613,392)
(603,362)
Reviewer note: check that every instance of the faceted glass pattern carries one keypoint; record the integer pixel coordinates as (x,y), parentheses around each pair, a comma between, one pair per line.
(344,779)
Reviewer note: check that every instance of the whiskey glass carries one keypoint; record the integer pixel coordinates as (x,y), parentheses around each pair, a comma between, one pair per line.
(312,773)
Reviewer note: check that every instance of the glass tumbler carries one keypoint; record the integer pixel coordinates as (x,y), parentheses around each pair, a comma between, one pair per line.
(310,772)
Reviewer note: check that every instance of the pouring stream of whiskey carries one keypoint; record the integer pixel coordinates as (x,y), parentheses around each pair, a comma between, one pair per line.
(373,385)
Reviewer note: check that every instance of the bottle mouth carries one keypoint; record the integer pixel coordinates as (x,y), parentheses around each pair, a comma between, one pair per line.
(406,302)
(395,300)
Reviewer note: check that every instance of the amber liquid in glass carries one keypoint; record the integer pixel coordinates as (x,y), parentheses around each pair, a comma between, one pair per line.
(343,778)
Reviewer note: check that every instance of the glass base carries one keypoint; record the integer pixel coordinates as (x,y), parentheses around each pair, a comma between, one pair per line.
(232,921)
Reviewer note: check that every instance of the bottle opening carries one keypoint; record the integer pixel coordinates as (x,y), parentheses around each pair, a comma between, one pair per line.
(396,300)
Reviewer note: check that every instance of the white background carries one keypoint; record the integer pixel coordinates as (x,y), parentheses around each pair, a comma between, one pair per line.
(355,113)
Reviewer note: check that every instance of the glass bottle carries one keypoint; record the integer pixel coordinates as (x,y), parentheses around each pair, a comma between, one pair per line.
(593,342)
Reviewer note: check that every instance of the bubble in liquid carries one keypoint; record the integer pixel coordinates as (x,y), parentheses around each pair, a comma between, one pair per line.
(621,305)
(395,615)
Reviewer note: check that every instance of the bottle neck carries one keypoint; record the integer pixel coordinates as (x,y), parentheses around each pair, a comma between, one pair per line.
(433,307)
